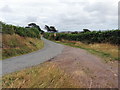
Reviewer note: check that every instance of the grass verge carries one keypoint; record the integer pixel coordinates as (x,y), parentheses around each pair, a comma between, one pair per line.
(107,51)
(46,75)
(15,45)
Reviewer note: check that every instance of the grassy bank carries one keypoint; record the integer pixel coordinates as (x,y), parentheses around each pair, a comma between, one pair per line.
(107,51)
(14,45)
(46,75)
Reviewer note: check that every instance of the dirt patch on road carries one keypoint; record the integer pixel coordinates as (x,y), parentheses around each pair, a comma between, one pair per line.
(88,70)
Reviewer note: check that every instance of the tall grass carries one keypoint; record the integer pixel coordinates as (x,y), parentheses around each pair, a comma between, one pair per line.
(46,75)
(106,51)
(13,45)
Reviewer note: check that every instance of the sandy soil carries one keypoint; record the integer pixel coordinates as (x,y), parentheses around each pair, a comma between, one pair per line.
(88,70)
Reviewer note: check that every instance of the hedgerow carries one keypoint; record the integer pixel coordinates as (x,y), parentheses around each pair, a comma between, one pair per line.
(22,31)
(111,36)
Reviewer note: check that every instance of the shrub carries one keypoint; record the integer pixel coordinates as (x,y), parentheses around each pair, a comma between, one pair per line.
(112,36)
(25,32)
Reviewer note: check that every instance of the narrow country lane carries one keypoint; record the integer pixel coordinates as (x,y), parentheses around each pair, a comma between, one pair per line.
(49,51)
(88,70)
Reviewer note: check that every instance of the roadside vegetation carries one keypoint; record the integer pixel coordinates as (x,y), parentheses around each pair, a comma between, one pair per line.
(20,40)
(29,31)
(46,75)
(104,44)
(106,51)
(14,45)
(111,36)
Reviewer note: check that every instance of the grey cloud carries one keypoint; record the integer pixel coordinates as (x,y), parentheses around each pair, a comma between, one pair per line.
(6,9)
(31,19)
(101,11)
(101,8)
(64,14)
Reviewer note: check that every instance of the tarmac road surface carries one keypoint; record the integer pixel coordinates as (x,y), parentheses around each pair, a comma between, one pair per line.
(17,63)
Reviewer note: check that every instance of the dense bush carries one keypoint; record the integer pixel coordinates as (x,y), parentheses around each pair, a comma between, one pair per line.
(9,29)
(25,32)
(112,36)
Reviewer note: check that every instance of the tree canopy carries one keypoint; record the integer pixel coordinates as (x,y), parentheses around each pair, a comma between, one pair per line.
(50,29)
(86,30)
(35,26)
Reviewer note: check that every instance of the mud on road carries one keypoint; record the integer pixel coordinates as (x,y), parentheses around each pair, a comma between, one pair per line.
(88,70)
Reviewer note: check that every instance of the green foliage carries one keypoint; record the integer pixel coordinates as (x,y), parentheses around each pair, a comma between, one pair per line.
(8,29)
(25,32)
(112,36)
(33,32)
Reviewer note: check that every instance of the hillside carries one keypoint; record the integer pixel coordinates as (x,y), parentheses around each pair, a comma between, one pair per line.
(19,40)
(14,45)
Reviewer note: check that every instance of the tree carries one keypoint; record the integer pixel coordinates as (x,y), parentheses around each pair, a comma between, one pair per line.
(34,25)
(50,29)
(86,30)
(47,28)
(53,29)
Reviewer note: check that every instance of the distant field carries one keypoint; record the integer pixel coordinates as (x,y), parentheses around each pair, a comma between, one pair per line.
(14,45)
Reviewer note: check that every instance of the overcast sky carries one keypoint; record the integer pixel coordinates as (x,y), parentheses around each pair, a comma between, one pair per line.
(65,15)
